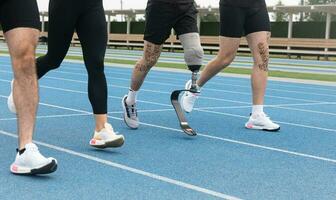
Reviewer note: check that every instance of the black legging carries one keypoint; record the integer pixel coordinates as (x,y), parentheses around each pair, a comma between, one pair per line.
(88,18)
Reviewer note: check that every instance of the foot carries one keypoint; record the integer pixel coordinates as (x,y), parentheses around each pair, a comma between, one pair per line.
(107,138)
(31,162)
(188,99)
(130,114)
(261,122)
(10,100)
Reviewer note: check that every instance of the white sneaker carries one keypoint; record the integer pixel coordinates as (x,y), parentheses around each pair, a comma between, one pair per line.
(106,138)
(261,122)
(130,114)
(188,99)
(32,162)
(10,100)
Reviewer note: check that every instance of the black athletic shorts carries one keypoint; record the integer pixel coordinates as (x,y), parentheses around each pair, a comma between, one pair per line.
(240,21)
(161,17)
(19,13)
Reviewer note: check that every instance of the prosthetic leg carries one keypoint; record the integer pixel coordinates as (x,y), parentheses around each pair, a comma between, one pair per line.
(177,106)
(193,55)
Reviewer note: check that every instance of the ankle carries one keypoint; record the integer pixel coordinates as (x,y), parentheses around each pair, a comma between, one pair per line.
(131,97)
(257,109)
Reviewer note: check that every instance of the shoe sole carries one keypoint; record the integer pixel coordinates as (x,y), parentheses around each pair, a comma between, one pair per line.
(47,169)
(262,129)
(124,114)
(111,144)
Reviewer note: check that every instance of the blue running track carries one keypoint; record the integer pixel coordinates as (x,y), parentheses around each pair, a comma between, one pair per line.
(225,161)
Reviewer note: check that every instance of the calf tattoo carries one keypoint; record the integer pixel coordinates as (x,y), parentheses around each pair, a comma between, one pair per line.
(140,67)
(264,54)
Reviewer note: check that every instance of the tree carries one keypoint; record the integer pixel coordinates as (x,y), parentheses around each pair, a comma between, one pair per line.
(210,17)
(280,16)
(318,16)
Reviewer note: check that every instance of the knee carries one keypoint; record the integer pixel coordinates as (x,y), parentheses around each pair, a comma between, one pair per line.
(149,61)
(144,64)
(94,64)
(193,51)
(24,59)
(194,56)
(225,60)
(48,61)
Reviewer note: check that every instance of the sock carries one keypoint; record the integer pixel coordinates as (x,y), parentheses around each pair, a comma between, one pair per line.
(21,151)
(257,109)
(131,97)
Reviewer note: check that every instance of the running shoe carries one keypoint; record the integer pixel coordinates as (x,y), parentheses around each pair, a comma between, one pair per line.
(188,99)
(261,122)
(30,161)
(130,114)
(107,138)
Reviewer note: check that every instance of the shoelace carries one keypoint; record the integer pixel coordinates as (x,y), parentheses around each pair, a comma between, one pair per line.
(132,111)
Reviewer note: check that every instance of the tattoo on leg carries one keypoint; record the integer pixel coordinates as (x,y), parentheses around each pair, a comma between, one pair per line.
(140,67)
(263,51)
(150,57)
(152,54)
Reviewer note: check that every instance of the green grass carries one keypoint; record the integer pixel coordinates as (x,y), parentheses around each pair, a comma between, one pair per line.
(236,70)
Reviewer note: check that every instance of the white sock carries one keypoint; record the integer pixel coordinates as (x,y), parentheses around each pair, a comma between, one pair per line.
(131,97)
(257,109)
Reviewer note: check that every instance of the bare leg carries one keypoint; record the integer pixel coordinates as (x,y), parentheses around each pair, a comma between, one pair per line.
(258,43)
(150,57)
(22,43)
(226,54)
(100,121)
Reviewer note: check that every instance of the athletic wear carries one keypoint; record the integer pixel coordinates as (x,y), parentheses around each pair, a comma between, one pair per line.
(130,114)
(188,99)
(106,138)
(257,109)
(30,161)
(162,16)
(131,97)
(10,100)
(239,21)
(88,18)
(173,1)
(244,3)
(19,13)
(261,122)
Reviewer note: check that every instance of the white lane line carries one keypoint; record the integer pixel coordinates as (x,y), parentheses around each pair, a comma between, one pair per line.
(205,88)
(131,169)
(47,116)
(161,92)
(144,111)
(274,80)
(304,110)
(281,122)
(157,91)
(214,112)
(274,106)
(281,106)
(333,161)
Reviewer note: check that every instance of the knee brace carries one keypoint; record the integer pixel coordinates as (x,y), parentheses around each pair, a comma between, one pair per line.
(193,51)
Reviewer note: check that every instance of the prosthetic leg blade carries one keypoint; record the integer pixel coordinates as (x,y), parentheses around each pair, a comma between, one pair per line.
(180,114)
